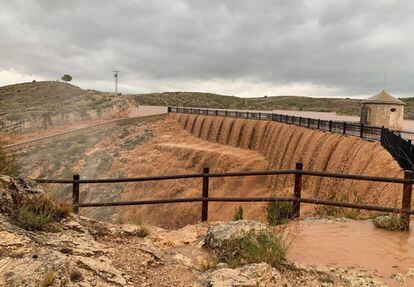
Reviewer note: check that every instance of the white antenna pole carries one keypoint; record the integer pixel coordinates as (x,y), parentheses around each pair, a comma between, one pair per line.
(385,79)
(116,81)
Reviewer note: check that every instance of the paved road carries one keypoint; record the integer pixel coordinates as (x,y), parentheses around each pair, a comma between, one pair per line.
(142,111)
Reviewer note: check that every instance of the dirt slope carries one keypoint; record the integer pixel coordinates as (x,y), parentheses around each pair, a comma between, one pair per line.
(40,105)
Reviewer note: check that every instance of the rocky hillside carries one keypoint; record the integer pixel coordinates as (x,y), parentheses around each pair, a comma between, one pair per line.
(77,251)
(40,105)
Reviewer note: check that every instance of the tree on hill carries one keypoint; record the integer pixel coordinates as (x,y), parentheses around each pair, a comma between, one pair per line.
(67,78)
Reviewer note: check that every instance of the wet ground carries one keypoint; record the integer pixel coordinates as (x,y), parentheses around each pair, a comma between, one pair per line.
(354,244)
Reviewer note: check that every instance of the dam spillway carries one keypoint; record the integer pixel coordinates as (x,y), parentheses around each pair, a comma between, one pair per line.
(283,145)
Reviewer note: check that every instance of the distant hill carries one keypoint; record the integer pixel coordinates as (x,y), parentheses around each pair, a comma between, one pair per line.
(295,103)
(34,105)
(206,100)
(39,104)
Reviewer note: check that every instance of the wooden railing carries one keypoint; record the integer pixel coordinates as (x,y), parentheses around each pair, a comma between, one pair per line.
(298,173)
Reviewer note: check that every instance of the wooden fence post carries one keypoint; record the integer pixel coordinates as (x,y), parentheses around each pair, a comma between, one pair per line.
(309,120)
(204,205)
(330,126)
(75,194)
(319,124)
(297,191)
(361,130)
(406,201)
(344,131)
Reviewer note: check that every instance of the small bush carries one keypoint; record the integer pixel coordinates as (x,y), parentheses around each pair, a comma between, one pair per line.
(143,231)
(238,213)
(49,279)
(266,247)
(32,220)
(279,212)
(388,222)
(36,213)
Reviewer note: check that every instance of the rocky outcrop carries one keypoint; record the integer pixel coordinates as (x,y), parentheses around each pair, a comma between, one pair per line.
(219,234)
(15,190)
(78,251)
(252,275)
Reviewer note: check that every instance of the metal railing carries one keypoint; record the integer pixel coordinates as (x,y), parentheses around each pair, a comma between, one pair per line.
(298,173)
(397,143)
(346,128)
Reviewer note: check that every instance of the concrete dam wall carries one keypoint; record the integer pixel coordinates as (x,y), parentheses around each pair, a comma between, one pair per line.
(283,145)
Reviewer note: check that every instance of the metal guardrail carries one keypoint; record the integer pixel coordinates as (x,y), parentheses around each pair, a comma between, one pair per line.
(397,143)
(298,173)
(346,128)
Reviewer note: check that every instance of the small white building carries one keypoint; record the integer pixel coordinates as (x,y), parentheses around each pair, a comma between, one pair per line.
(383,110)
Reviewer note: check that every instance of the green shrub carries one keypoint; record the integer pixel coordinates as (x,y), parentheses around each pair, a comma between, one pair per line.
(265,247)
(388,222)
(36,213)
(279,212)
(32,220)
(238,213)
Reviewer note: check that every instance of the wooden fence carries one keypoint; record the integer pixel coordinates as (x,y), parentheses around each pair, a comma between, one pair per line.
(296,198)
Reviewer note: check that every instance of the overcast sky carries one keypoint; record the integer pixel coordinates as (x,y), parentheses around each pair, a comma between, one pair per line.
(244,48)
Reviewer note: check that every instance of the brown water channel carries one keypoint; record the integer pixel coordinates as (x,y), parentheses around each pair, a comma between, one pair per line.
(354,244)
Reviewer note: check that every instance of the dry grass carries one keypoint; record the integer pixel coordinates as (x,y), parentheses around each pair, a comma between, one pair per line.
(142,231)
(48,279)
(36,213)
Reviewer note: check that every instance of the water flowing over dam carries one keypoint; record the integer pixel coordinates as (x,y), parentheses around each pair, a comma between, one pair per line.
(283,145)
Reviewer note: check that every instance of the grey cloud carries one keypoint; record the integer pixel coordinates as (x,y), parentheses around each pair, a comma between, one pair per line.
(343,44)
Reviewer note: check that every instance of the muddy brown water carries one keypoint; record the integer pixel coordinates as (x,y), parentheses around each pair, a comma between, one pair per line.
(354,244)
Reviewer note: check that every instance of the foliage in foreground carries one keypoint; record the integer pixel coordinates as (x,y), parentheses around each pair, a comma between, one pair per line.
(238,213)
(266,247)
(36,213)
(8,163)
(388,222)
(279,212)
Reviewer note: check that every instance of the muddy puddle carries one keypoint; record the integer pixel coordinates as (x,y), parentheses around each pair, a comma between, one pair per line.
(354,244)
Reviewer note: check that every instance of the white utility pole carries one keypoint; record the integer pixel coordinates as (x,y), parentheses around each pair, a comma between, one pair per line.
(116,81)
